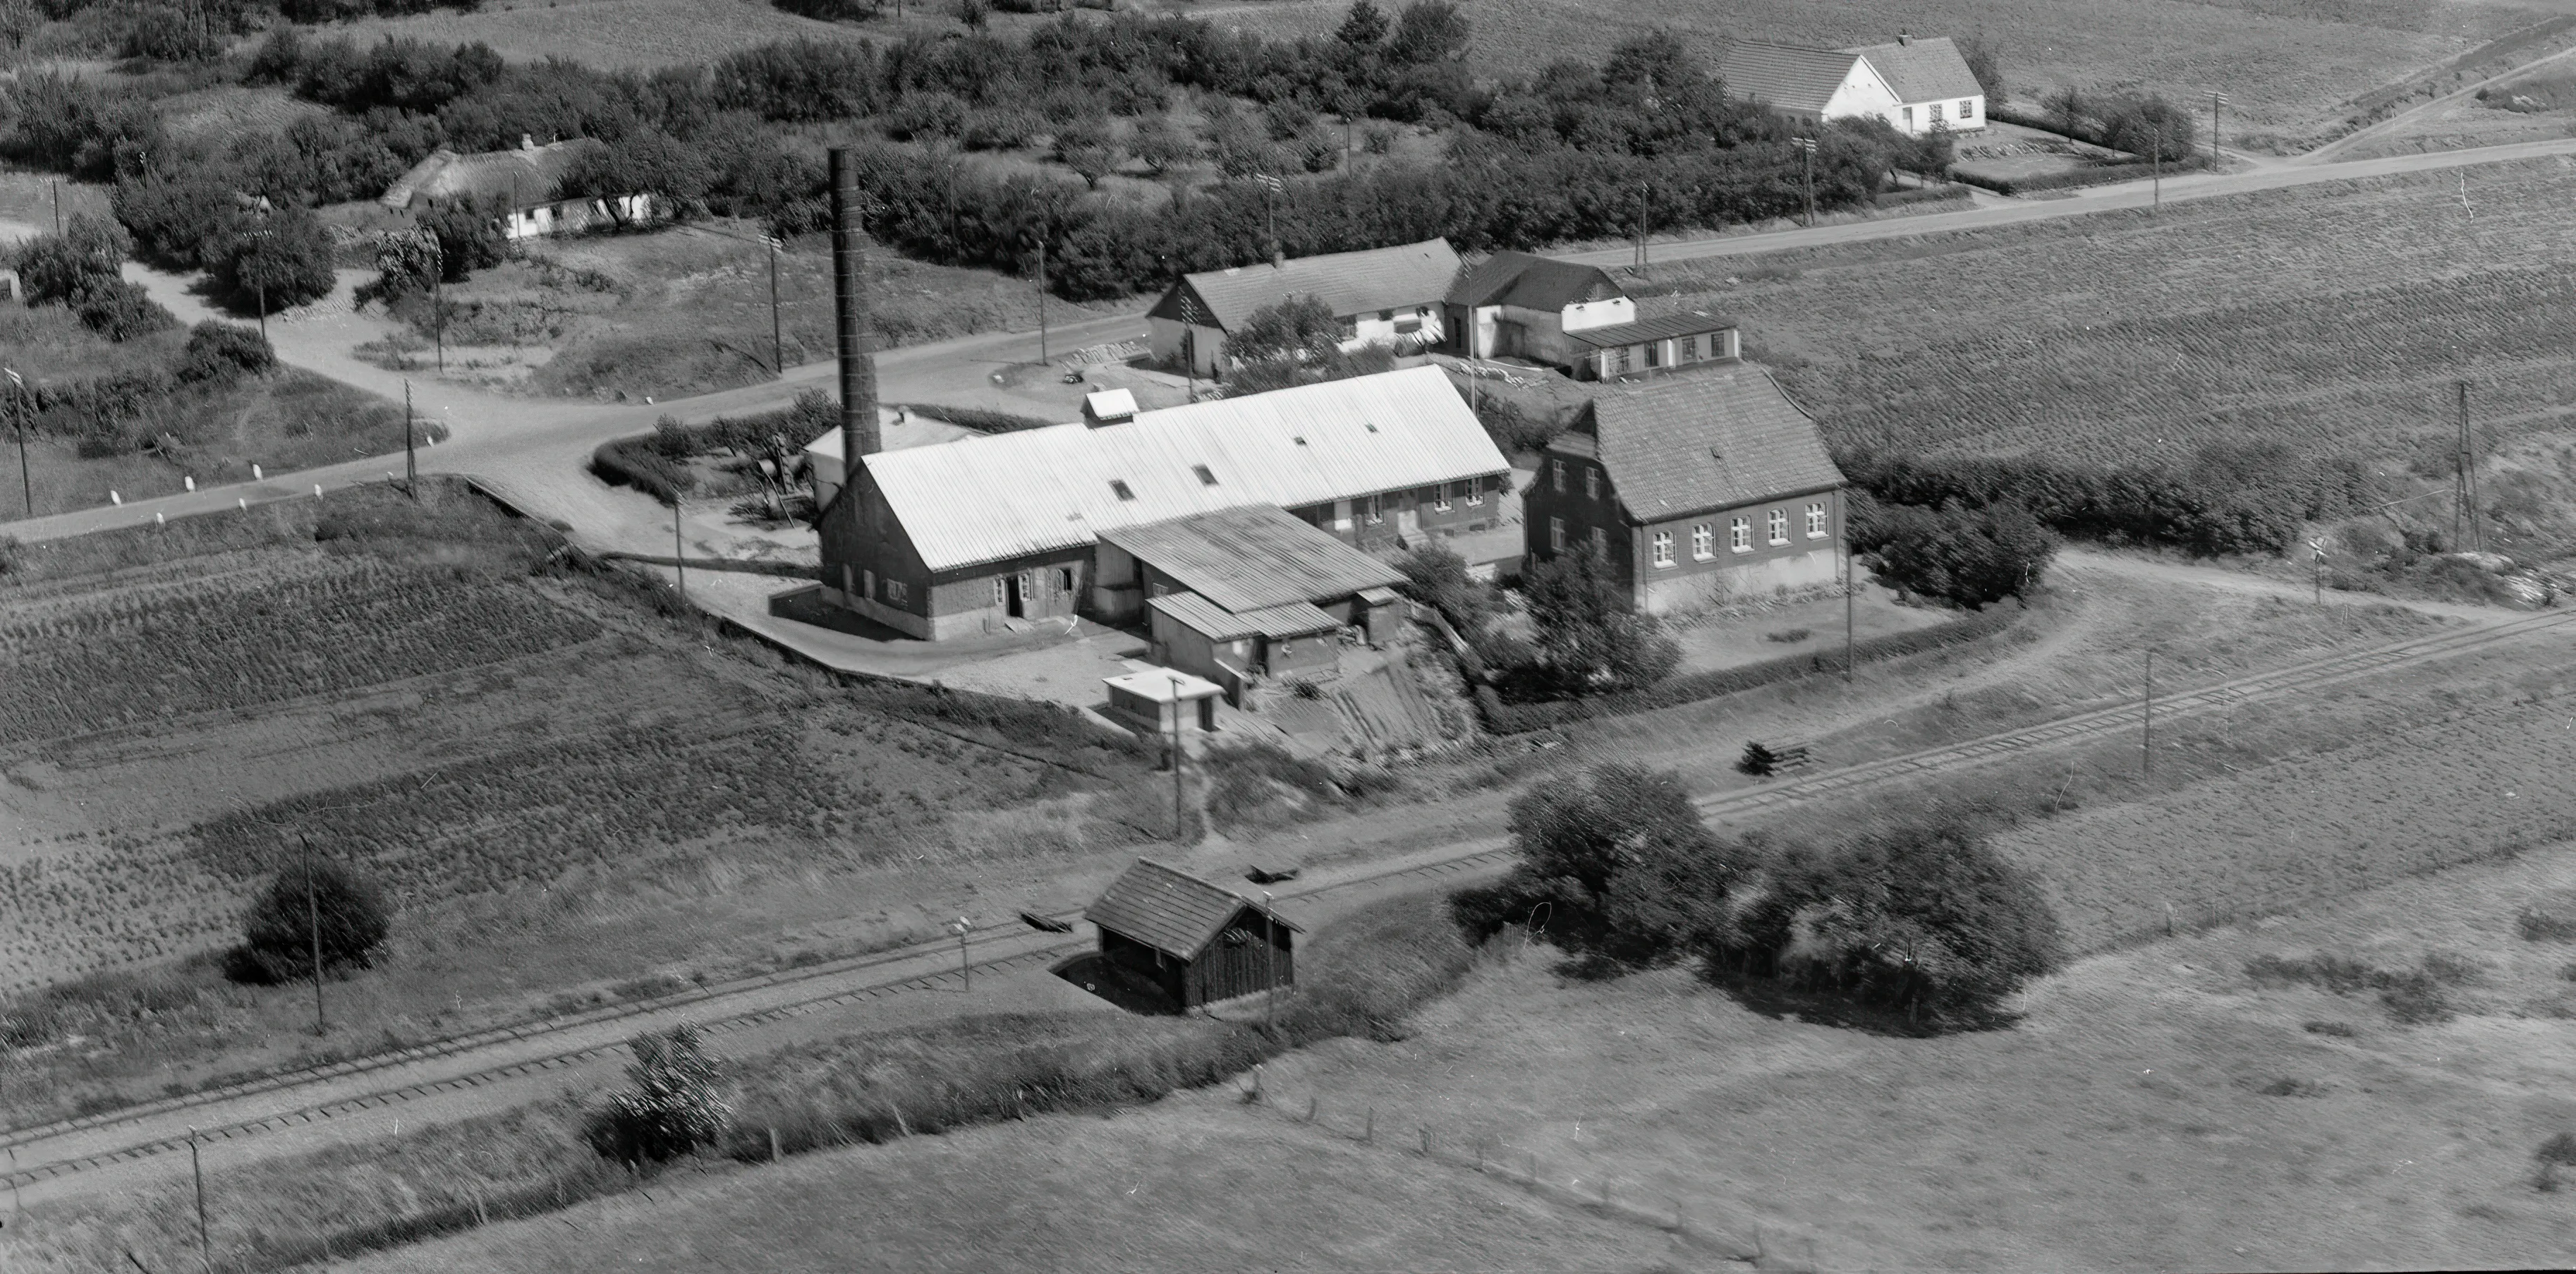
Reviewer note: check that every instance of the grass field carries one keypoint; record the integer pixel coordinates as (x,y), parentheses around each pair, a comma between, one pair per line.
(2333,316)
(565,792)
(688,311)
(2285,64)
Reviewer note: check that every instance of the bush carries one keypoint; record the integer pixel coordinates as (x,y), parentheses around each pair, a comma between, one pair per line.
(1298,327)
(2414,998)
(1437,577)
(1967,557)
(120,310)
(1590,634)
(345,909)
(631,462)
(222,351)
(274,262)
(2536,925)
(981,420)
(671,1109)
(1923,917)
(56,268)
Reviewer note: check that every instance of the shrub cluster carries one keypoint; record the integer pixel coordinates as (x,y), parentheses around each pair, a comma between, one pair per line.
(2230,497)
(1966,557)
(97,412)
(2412,997)
(78,268)
(2088,175)
(1922,918)
(326,909)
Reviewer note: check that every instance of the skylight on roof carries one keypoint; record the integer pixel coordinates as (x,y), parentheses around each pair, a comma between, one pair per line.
(1206,477)
(1121,489)
(1372,428)
(1301,440)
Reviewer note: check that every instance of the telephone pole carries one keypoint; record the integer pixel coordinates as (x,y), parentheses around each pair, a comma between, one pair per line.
(2156,166)
(1042,328)
(1807,147)
(26,483)
(1849,582)
(197,1171)
(411,457)
(1269,962)
(2464,485)
(2216,100)
(679,557)
(777,342)
(313,921)
(1179,826)
(2147,739)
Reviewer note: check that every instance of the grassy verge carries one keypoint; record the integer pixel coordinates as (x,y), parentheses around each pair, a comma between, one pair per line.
(1363,975)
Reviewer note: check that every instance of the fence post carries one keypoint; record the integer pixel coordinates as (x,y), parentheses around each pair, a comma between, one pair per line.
(1312,1103)
(1426,1140)
(773,1143)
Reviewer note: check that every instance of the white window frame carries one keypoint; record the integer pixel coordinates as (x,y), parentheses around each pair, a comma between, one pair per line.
(1909,118)
(1591,483)
(1664,548)
(898,591)
(1936,112)
(1556,535)
(1739,535)
(1376,510)
(1601,540)
(1556,473)
(1001,591)
(1703,542)
(1475,492)
(1968,108)
(1815,521)
(1440,503)
(1777,526)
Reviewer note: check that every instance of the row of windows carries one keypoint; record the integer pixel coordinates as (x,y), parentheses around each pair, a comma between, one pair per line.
(1967,111)
(1739,535)
(1373,508)
(1686,349)
(1029,585)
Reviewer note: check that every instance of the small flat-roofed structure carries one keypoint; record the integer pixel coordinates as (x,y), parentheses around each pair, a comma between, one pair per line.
(1250,590)
(1652,345)
(1196,941)
(1158,699)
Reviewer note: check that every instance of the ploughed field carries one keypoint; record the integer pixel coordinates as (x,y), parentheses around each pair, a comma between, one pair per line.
(2335,316)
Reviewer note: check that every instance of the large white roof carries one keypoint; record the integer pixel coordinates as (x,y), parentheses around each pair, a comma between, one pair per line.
(1000,496)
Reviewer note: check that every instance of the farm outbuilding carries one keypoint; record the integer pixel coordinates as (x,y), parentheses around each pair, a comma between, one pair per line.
(1196,941)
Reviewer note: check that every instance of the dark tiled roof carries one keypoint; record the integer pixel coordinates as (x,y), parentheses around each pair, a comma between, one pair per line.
(1783,75)
(1173,912)
(1348,283)
(1253,557)
(1705,440)
(1653,329)
(1922,70)
(1531,282)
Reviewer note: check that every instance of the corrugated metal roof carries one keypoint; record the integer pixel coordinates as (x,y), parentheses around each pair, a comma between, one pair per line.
(526,176)
(1707,440)
(1254,556)
(1922,70)
(1001,496)
(1171,911)
(1800,79)
(1347,283)
(1653,329)
(1216,623)
(1532,282)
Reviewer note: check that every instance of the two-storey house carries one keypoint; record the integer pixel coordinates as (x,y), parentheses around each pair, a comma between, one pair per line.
(1694,489)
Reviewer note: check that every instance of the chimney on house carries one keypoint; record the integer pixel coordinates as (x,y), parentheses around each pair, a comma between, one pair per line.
(859,435)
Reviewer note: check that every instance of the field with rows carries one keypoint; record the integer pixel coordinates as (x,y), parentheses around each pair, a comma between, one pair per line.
(2285,64)
(2334,316)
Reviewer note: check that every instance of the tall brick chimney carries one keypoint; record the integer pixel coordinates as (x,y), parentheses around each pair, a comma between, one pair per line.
(859,436)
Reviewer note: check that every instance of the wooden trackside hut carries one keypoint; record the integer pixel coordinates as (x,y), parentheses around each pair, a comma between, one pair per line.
(1198,942)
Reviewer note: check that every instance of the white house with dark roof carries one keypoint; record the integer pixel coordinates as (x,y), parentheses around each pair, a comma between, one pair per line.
(1915,85)
(1693,489)
(1382,296)
(526,183)
(960,538)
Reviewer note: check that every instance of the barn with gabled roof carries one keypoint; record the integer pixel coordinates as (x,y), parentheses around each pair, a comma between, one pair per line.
(1196,941)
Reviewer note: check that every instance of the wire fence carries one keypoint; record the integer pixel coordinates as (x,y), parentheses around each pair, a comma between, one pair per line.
(1712,1228)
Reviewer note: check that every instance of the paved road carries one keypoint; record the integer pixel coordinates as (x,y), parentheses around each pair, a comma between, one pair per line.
(2083,202)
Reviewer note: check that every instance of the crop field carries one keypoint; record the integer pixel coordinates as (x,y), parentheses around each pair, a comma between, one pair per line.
(2285,64)
(611,34)
(2335,316)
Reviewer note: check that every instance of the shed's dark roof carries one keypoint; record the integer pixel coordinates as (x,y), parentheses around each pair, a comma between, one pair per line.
(1253,557)
(1653,329)
(1799,79)
(1348,283)
(1706,440)
(1216,623)
(1922,70)
(1171,911)
(1532,282)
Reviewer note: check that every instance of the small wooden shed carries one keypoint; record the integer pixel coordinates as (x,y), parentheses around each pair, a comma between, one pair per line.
(1199,942)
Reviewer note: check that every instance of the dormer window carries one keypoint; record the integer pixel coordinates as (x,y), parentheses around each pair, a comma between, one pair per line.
(1371,428)
(1206,476)
(1301,440)
(1120,488)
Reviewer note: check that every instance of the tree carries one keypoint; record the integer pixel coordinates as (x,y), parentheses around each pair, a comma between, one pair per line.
(1968,557)
(1162,146)
(1589,632)
(1923,916)
(278,936)
(1085,145)
(274,262)
(59,267)
(1428,31)
(673,1106)
(1985,59)
(1364,28)
(2145,125)
(1298,327)
(1614,864)
(120,310)
(223,351)
(1437,577)
(675,175)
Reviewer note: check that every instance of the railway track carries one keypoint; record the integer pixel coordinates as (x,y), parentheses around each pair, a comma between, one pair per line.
(1006,951)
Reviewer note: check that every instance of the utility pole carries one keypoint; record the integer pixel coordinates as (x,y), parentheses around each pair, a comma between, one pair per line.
(438,299)
(2216,100)
(1807,147)
(1042,328)
(777,342)
(1269,962)
(679,559)
(313,919)
(1640,254)
(2465,485)
(2147,738)
(26,483)
(263,310)
(1178,825)
(2317,568)
(965,970)
(2156,166)
(411,456)
(1849,582)
(58,205)
(197,1170)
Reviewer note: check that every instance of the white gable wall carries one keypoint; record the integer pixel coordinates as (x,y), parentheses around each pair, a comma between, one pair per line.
(1863,92)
